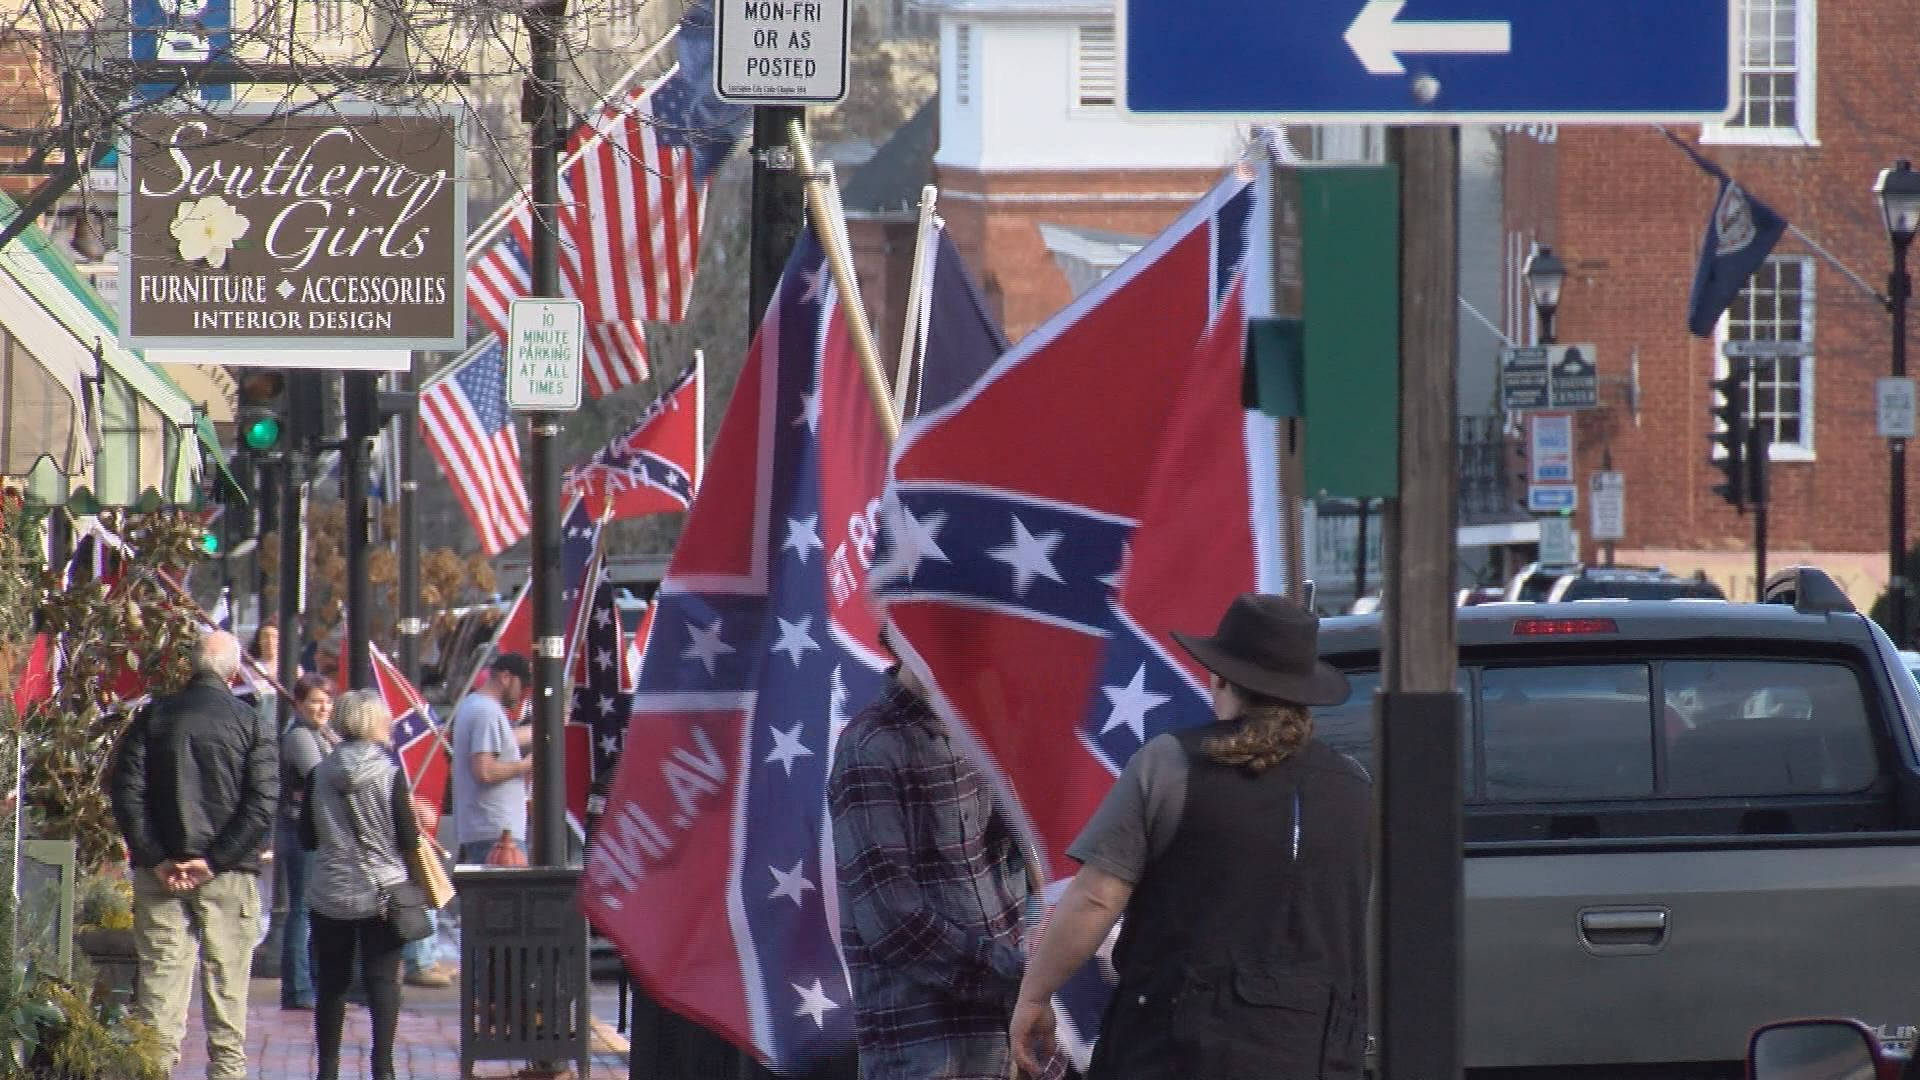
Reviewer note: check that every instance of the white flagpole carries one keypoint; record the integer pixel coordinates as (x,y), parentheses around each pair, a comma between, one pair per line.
(918,282)
(481,237)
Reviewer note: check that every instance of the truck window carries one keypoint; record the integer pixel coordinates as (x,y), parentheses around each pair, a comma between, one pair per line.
(1567,733)
(1765,727)
(1348,726)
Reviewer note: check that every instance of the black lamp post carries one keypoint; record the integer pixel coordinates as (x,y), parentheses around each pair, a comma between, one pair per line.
(1898,190)
(1545,274)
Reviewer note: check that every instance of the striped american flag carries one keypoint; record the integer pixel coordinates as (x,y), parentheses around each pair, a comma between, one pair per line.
(464,416)
(633,202)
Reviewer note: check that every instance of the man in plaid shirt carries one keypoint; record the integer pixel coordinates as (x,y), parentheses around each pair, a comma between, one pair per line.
(932,886)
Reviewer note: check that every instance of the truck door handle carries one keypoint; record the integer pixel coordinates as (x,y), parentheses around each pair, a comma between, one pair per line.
(1623,931)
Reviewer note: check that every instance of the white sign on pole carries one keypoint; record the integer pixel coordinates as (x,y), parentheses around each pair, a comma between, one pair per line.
(781,52)
(1557,544)
(1893,407)
(1550,453)
(1609,505)
(544,339)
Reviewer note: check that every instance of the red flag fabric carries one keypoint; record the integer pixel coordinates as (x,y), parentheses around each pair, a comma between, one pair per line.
(1034,592)
(417,743)
(33,684)
(706,868)
(652,467)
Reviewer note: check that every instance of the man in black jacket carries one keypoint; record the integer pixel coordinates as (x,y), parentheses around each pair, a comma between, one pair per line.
(195,781)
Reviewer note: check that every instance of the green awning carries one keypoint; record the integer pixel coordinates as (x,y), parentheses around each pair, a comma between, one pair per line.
(142,429)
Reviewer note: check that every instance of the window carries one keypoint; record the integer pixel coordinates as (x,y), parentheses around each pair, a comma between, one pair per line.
(1567,734)
(962,64)
(1348,727)
(1775,77)
(1739,728)
(1777,305)
(1094,67)
(330,16)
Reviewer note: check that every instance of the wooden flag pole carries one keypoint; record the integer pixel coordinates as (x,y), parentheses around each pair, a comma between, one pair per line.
(822,208)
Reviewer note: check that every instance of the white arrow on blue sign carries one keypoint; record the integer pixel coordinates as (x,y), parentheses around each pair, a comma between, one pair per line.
(1431,61)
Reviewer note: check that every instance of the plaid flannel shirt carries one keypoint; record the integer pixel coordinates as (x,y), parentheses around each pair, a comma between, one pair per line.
(932,887)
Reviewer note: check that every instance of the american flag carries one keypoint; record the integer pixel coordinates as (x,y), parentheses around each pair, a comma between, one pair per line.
(613,354)
(417,744)
(635,199)
(654,466)
(707,868)
(467,426)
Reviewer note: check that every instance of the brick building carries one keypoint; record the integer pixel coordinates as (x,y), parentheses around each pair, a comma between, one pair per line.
(1825,105)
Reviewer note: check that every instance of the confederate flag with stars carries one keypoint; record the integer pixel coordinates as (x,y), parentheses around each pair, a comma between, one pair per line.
(417,744)
(710,869)
(1034,591)
(597,719)
(652,467)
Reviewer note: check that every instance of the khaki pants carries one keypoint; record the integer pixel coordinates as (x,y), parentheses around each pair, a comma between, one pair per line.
(216,924)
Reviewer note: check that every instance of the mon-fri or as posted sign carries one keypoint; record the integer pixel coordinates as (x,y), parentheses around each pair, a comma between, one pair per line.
(544,340)
(781,52)
(335,228)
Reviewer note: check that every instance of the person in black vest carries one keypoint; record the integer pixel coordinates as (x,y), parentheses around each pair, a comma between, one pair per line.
(1240,854)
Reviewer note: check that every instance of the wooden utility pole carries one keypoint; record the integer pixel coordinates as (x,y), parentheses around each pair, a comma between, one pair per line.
(1417,713)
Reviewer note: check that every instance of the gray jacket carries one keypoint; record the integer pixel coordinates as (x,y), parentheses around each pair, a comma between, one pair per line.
(358,821)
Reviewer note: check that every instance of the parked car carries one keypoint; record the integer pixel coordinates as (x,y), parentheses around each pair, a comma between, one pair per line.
(1631,583)
(1535,580)
(1686,818)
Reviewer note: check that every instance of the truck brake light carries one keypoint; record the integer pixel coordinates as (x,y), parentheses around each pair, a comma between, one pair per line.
(1555,627)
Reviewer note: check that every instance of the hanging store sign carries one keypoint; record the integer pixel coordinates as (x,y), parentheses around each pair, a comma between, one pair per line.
(342,228)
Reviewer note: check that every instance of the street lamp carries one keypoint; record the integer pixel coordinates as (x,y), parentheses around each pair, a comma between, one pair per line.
(1898,190)
(1545,274)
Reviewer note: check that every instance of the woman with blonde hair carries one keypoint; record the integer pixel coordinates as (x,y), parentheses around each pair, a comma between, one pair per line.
(1239,853)
(358,823)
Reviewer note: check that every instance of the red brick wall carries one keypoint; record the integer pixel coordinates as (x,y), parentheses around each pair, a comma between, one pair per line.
(883,261)
(1630,211)
(29,96)
(995,219)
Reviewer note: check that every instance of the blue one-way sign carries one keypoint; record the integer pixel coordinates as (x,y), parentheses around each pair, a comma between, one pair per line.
(1431,61)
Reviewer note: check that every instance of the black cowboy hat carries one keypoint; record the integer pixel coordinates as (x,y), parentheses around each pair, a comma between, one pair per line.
(1270,645)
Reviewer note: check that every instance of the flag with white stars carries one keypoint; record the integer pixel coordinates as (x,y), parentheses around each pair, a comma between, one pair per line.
(706,869)
(597,720)
(654,466)
(579,557)
(1034,590)
(417,744)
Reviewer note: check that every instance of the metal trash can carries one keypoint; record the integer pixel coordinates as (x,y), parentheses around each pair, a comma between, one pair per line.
(524,993)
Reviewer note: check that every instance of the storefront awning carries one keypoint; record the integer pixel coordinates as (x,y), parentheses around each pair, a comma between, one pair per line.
(146,450)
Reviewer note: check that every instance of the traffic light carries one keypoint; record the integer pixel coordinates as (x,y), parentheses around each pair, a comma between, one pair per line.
(261,419)
(1729,436)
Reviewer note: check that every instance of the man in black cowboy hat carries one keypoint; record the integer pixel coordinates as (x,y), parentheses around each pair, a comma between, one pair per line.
(1239,853)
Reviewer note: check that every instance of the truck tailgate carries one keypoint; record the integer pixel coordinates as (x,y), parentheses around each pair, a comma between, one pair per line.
(1664,951)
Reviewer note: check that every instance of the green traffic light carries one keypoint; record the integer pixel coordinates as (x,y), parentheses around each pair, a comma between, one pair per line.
(210,543)
(261,433)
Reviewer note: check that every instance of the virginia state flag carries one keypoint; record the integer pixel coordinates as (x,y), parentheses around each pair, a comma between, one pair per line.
(1033,589)
(1741,233)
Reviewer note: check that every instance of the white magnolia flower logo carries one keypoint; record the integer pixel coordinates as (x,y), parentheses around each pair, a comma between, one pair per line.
(206,229)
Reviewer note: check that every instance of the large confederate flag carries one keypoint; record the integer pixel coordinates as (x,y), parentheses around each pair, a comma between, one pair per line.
(1034,588)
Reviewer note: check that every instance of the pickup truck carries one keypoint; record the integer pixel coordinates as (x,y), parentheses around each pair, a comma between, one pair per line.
(1683,819)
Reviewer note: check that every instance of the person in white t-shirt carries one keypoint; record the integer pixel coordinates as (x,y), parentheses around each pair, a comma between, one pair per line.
(491,760)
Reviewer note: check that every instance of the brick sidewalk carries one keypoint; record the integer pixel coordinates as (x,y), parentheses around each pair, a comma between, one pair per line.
(426,1047)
